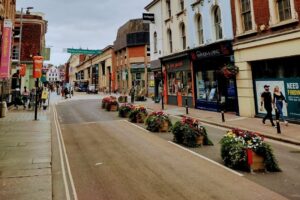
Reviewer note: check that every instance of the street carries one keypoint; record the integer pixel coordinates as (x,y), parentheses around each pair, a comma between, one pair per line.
(111,158)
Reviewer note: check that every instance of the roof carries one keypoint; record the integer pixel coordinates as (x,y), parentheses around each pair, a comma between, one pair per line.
(151,4)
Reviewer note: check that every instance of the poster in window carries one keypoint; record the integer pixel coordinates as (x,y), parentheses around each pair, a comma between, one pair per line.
(260,89)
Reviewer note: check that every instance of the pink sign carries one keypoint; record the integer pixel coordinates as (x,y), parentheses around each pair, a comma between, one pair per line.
(6,49)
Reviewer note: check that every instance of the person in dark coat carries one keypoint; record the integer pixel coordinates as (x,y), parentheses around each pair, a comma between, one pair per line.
(266,102)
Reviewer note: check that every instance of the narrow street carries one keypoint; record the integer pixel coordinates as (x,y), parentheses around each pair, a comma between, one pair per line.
(111,158)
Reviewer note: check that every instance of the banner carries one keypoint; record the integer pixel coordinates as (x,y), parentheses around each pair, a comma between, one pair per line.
(290,88)
(23,70)
(37,66)
(6,49)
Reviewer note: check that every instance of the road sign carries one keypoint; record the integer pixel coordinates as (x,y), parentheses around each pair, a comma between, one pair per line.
(84,51)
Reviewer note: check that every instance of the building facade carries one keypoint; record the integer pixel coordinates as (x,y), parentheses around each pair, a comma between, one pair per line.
(267,51)
(210,30)
(132,56)
(97,70)
(34,29)
(53,74)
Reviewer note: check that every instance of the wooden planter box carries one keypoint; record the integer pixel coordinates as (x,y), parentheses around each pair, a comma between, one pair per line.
(113,108)
(258,163)
(140,118)
(199,140)
(164,127)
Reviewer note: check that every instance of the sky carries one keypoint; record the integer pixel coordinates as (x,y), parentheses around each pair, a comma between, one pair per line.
(91,24)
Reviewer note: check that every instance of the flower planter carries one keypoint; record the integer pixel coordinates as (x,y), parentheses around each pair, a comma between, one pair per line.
(140,118)
(104,105)
(122,99)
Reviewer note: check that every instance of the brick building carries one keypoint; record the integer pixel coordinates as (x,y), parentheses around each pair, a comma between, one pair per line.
(132,54)
(267,51)
(32,43)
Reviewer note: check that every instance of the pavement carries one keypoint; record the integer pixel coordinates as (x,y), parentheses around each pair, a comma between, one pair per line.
(25,155)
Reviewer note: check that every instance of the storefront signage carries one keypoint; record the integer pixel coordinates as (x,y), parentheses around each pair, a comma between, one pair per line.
(290,89)
(37,66)
(214,50)
(6,49)
(148,17)
(177,65)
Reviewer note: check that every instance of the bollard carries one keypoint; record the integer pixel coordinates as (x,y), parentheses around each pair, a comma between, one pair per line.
(277,121)
(223,116)
(186,106)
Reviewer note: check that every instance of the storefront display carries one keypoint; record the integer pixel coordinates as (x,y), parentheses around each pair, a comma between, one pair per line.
(214,90)
(276,73)
(179,82)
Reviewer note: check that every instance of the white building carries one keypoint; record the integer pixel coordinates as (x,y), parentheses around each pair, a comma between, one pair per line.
(53,74)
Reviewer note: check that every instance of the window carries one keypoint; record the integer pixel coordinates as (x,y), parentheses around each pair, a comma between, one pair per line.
(180,81)
(206,85)
(218,23)
(200,29)
(183,36)
(155,42)
(181,2)
(168,2)
(246,14)
(284,10)
(170,40)
(15,53)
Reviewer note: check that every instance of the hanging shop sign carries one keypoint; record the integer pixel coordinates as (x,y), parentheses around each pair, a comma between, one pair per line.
(6,48)
(23,70)
(37,66)
(290,88)
(213,50)
(149,17)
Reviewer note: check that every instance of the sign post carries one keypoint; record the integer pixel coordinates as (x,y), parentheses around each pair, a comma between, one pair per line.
(37,73)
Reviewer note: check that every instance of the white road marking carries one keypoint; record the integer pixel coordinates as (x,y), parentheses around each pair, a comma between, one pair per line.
(98,164)
(207,159)
(62,147)
(61,158)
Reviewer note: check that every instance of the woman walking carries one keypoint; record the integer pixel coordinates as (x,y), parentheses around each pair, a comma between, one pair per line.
(278,99)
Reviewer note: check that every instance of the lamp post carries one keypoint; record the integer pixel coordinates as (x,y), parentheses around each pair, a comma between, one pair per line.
(20,37)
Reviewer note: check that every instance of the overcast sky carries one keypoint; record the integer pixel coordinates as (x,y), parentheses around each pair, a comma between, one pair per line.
(89,24)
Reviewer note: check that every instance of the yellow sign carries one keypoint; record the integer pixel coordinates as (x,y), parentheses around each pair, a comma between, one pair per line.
(45,94)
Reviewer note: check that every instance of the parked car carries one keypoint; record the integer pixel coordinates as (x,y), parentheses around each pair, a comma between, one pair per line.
(92,89)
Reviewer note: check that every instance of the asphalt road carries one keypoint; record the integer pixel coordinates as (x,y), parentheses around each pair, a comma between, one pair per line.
(113,159)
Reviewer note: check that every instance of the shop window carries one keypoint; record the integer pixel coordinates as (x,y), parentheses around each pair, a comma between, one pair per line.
(207,86)
(199,29)
(138,76)
(218,23)
(180,81)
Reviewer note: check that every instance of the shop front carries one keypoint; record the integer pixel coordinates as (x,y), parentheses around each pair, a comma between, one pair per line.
(178,81)
(155,80)
(281,72)
(214,85)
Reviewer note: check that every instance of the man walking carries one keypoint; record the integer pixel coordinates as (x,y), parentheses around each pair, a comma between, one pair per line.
(266,102)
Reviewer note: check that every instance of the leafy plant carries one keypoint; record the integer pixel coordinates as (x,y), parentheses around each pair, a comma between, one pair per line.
(138,113)
(155,121)
(125,109)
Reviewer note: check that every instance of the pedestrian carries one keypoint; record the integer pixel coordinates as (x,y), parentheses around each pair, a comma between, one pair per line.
(66,92)
(278,99)
(266,102)
(25,97)
(132,92)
